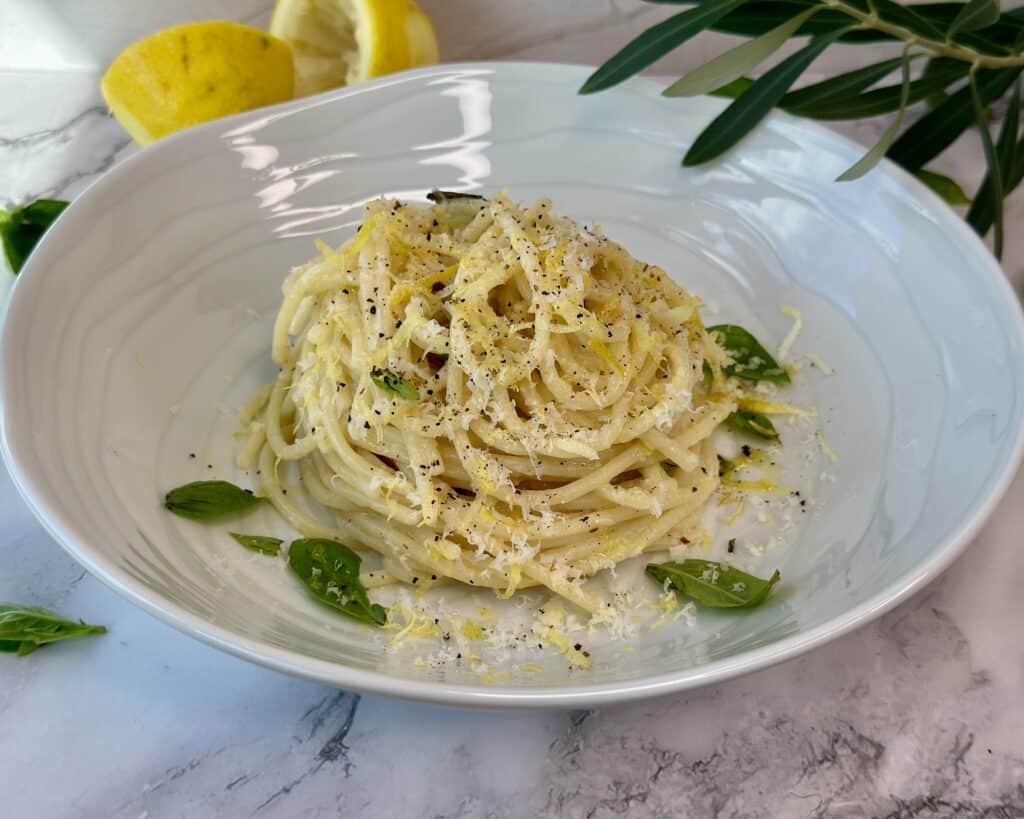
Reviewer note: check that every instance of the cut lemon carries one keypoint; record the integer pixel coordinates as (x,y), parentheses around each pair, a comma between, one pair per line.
(339,42)
(195,72)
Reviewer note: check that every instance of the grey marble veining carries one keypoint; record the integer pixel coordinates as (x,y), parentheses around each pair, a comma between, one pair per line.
(916,715)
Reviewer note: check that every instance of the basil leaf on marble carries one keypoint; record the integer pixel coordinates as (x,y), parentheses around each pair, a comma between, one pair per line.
(21,228)
(259,543)
(206,500)
(390,382)
(750,360)
(715,585)
(753,423)
(23,629)
(330,570)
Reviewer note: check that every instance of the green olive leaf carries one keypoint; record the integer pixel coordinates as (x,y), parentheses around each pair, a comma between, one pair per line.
(734,63)
(330,570)
(715,585)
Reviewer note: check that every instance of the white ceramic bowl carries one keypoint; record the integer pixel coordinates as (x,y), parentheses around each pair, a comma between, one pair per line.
(143,319)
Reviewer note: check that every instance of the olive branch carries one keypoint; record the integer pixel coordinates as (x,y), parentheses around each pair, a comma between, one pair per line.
(972,56)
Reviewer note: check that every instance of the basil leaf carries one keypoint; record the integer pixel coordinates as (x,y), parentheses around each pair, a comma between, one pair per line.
(438,196)
(715,585)
(751,361)
(330,571)
(259,543)
(669,467)
(725,466)
(206,500)
(23,629)
(753,423)
(21,228)
(389,382)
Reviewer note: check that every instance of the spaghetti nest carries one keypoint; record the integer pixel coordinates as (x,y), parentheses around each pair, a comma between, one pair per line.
(492,395)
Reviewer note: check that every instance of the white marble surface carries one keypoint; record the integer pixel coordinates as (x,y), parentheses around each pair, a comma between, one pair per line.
(918,714)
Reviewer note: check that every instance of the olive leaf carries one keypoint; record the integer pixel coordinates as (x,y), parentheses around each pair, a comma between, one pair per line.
(736,62)
(975,14)
(747,110)
(715,585)
(874,156)
(656,42)
(995,176)
(949,189)
(1011,168)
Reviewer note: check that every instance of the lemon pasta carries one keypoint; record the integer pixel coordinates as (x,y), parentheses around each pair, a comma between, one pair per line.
(492,395)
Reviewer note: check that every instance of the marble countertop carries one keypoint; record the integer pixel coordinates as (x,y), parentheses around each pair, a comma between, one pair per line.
(917,714)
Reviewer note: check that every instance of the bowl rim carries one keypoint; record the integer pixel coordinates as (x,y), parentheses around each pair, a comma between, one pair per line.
(34,493)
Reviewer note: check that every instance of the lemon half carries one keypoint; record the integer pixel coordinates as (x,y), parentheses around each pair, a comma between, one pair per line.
(339,42)
(195,72)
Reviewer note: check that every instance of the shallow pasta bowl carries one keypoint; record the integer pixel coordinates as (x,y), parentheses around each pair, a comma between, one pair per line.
(142,321)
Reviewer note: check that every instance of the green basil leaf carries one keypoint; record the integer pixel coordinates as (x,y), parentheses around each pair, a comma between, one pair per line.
(747,110)
(949,189)
(1011,169)
(22,228)
(975,14)
(734,63)
(390,382)
(330,571)
(438,196)
(937,130)
(259,543)
(23,629)
(206,500)
(753,423)
(874,156)
(750,361)
(715,585)
(656,42)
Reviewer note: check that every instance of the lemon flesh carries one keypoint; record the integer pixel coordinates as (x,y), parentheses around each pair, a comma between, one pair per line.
(193,73)
(339,42)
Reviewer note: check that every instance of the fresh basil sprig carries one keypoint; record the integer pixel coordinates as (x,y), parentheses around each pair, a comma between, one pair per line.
(715,585)
(21,228)
(750,360)
(23,629)
(390,382)
(259,543)
(330,570)
(206,500)
(438,196)
(753,423)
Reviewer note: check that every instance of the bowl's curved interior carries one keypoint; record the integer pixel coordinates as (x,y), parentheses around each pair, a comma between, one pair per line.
(143,321)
